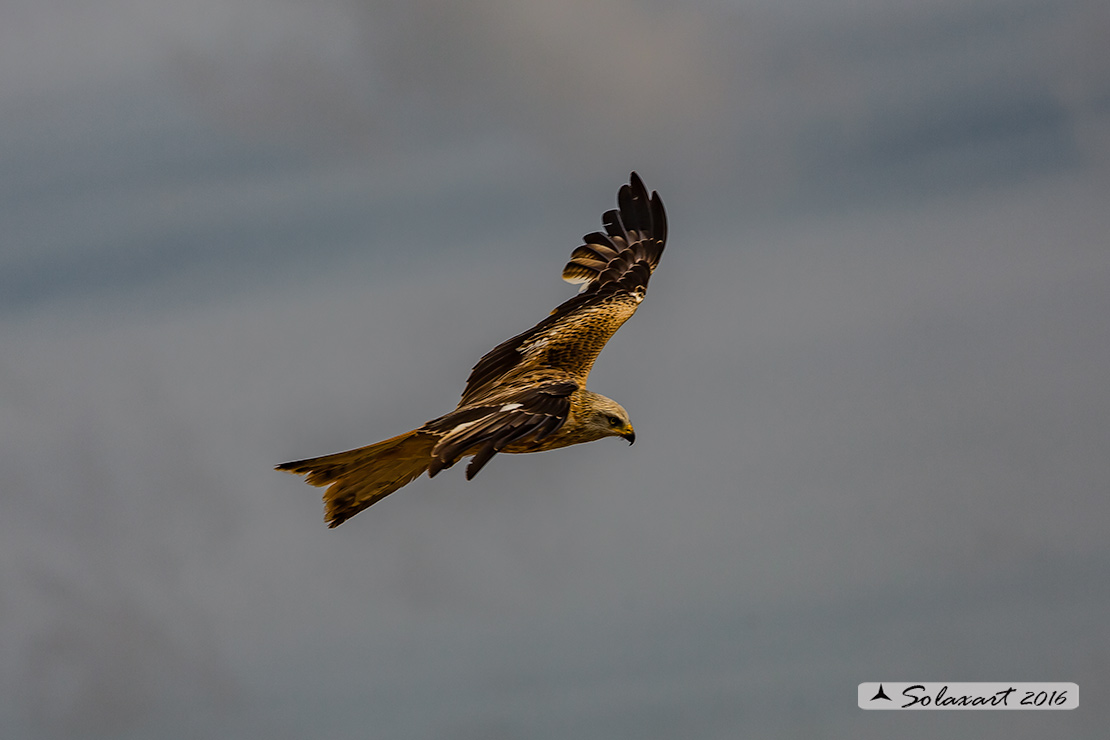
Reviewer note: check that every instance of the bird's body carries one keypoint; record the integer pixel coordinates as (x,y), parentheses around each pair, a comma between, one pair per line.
(529,393)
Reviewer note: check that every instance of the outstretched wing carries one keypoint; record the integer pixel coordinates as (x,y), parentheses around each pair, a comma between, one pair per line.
(614,268)
(525,411)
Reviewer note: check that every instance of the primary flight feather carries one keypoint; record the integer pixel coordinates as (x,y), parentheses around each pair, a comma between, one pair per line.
(528,394)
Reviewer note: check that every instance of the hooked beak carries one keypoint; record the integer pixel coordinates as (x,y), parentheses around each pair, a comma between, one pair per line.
(630,435)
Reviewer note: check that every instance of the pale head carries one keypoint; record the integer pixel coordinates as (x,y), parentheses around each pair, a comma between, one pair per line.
(604,417)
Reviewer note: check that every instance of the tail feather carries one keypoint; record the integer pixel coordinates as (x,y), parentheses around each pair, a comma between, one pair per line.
(358,478)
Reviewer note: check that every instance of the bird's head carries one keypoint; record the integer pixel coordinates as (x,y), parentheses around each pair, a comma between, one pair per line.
(607,418)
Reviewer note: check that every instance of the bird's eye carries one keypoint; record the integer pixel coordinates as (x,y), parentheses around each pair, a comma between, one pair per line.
(613,421)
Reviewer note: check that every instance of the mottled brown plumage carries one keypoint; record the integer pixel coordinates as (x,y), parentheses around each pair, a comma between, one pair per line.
(528,394)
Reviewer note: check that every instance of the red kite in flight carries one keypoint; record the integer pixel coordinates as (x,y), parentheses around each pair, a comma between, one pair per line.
(529,393)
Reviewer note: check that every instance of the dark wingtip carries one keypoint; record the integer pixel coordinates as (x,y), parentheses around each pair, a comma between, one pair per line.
(479,460)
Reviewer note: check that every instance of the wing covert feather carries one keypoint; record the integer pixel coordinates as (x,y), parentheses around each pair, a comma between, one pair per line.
(530,409)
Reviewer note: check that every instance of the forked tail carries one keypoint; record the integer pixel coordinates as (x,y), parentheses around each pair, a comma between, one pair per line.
(358,478)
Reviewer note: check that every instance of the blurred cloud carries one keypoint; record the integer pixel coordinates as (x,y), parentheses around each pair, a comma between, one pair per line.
(737,93)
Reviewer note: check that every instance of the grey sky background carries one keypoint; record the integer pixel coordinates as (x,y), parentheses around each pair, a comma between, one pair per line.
(869,384)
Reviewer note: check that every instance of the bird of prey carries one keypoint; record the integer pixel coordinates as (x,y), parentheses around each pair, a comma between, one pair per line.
(529,393)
